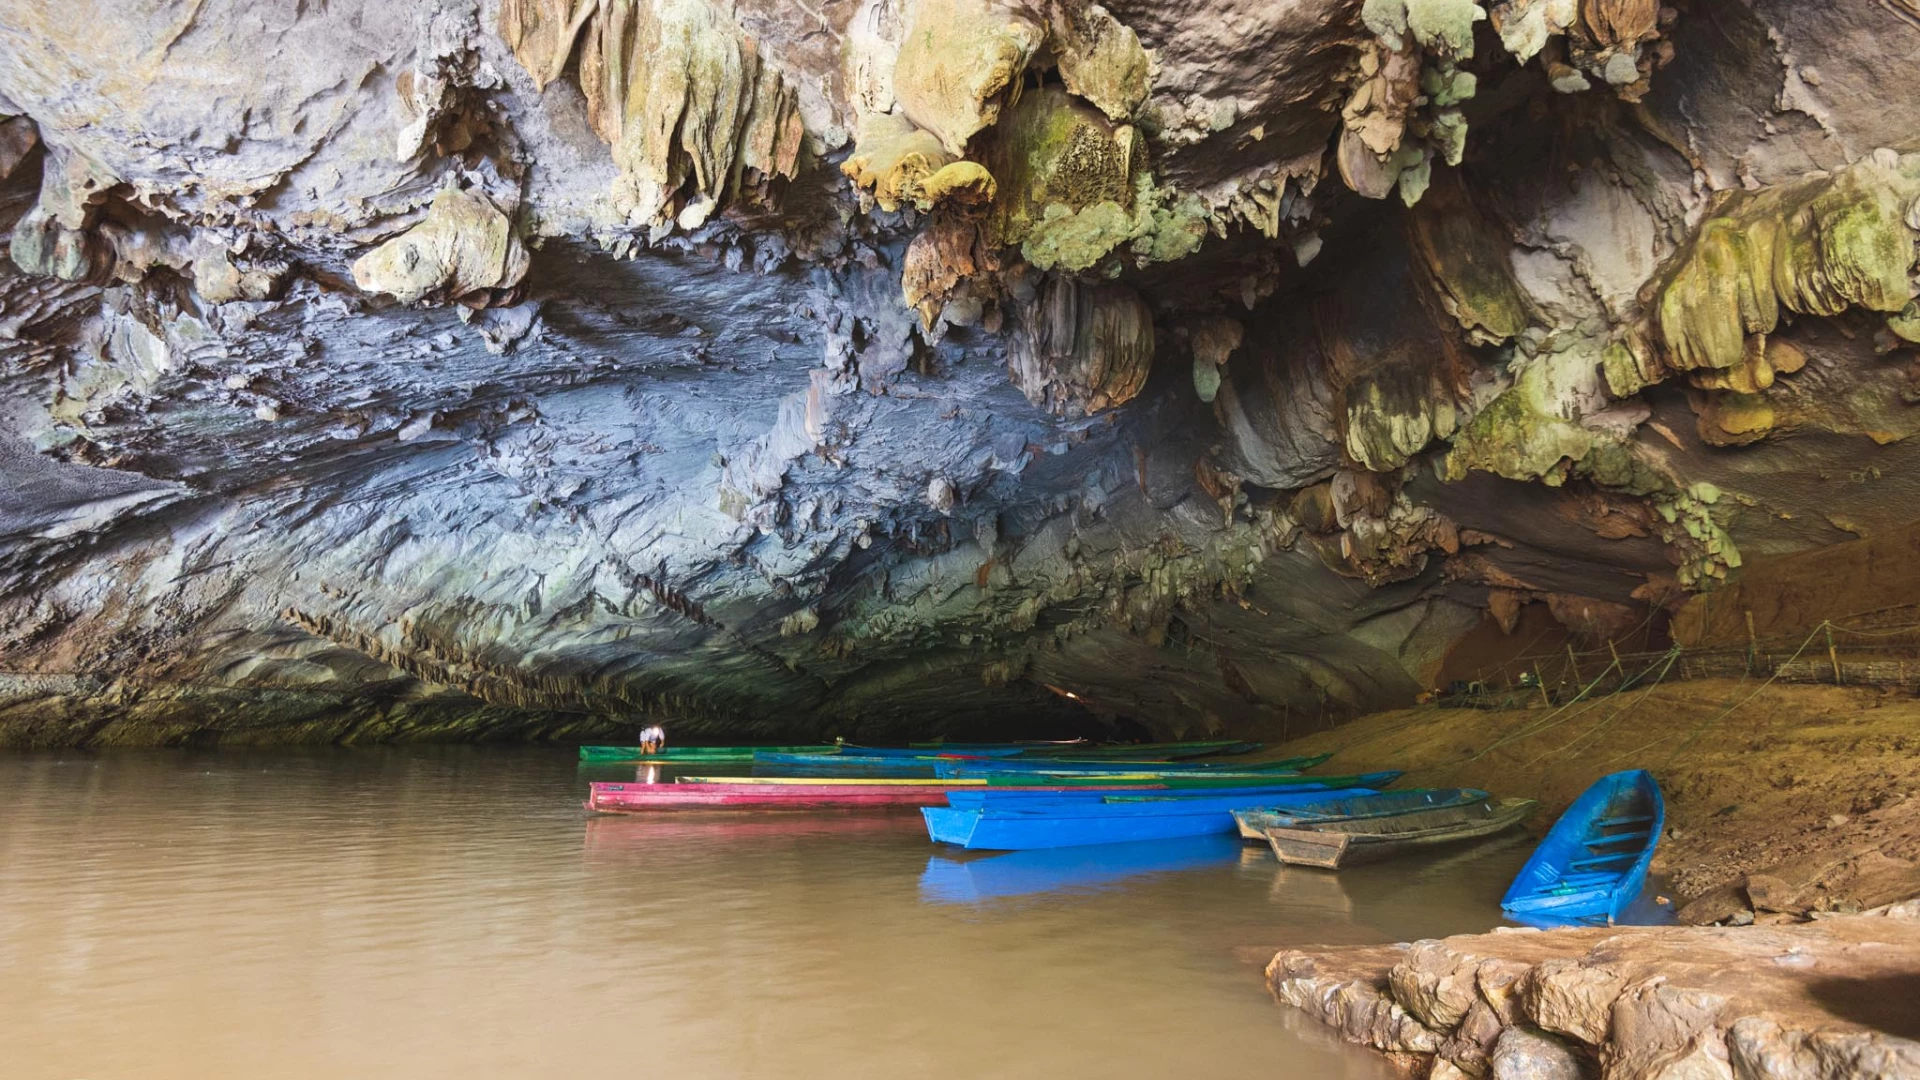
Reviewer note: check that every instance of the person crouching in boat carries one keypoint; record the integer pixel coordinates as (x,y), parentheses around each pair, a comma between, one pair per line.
(653,739)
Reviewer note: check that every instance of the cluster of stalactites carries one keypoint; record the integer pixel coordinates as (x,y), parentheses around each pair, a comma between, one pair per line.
(1404,110)
(695,115)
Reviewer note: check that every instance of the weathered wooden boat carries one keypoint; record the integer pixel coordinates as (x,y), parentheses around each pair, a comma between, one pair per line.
(792,793)
(1016,769)
(1042,745)
(849,750)
(648,798)
(1288,767)
(1033,796)
(834,781)
(1594,860)
(693,754)
(1350,841)
(1256,820)
(1081,869)
(1073,822)
(1168,751)
(841,759)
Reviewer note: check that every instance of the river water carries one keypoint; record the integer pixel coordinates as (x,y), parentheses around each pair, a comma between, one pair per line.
(443,912)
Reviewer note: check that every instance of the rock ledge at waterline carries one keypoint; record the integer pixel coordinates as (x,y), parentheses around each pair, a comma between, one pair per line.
(1826,1000)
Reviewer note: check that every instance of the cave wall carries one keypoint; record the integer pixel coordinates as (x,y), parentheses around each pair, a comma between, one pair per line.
(521,369)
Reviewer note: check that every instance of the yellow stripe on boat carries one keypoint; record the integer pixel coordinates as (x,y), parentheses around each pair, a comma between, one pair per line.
(827,780)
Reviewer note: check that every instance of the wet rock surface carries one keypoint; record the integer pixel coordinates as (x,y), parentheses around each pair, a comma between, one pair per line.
(1828,999)
(525,368)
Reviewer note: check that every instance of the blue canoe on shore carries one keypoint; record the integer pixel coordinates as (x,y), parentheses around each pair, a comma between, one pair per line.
(1074,820)
(1594,861)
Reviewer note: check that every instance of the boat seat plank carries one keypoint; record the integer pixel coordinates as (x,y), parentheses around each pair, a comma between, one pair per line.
(1618,838)
(1646,819)
(1583,864)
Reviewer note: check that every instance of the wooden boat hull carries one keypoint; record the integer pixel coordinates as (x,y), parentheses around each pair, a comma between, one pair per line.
(1594,860)
(1254,822)
(920,760)
(1152,751)
(700,754)
(752,794)
(1077,823)
(1040,797)
(649,798)
(1014,769)
(1333,845)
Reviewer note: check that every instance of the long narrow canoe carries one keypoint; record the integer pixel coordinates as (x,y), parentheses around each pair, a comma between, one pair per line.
(1079,823)
(830,781)
(1041,745)
(1333,845)
(674,754)
(832,795)
(1247,791)
(648,798)
(998,767)
(1255,821)
(1594,860)
(851,751)
(1153,751)
(844,760)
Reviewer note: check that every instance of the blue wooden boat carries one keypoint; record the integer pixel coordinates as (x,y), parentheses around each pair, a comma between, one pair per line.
(1594,861)
(1074,822)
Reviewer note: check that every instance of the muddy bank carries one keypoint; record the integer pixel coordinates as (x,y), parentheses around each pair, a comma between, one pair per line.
(1829,999)
(1781,799)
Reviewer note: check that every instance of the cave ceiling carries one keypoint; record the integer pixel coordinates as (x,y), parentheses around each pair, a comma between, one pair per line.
(524,367)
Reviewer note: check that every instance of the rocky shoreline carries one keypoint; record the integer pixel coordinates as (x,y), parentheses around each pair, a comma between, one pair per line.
(1831,999)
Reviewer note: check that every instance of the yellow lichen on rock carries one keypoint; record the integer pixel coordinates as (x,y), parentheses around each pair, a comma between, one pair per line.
(1467,262)
(900,163)
(694,114)
(1816,247)
(541,33)
(960,62)
(464,249)
(1067,181)
(1101,59)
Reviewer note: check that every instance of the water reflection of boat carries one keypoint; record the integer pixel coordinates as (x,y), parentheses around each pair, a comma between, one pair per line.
(1304,890)
(621,835)
(1047,870)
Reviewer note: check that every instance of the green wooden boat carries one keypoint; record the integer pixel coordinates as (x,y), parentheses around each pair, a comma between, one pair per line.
(1171,781)
(702,755)
(1146,772)
(1168,751)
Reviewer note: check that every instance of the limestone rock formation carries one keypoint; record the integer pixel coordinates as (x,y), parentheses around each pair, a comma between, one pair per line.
(1640,1003)
(503,367)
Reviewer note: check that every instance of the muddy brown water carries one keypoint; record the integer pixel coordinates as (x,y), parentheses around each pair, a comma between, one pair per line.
(443,912)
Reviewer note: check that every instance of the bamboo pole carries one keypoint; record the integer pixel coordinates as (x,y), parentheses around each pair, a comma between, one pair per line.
(1753,644)
(1832,653)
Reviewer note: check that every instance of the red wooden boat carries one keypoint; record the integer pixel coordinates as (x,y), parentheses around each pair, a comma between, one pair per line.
(612,798)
